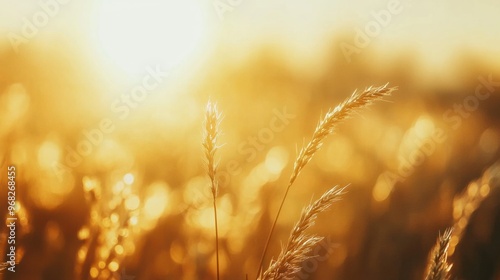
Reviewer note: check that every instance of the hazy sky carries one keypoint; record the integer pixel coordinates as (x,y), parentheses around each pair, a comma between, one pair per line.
(304,28)
(434,27)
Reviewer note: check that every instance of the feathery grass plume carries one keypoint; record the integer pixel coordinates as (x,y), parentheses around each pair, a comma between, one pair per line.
(465,204)
(325,127)
(211,133)
(299,243)
(438,267)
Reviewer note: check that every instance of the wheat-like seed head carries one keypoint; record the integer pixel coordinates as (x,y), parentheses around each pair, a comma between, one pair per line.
(332,118)
(211,133)
(300,244)
(438,267)
(289,264)
(465,204)
(324,128)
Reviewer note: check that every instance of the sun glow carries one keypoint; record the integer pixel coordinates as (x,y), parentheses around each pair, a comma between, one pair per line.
(137,34)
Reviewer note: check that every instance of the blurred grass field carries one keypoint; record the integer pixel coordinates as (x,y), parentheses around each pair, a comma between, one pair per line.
(111,145)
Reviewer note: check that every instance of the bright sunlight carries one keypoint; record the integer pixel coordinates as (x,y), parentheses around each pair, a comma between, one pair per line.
(137,34)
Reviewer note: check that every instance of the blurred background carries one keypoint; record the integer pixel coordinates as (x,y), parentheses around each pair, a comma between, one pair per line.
(101,113)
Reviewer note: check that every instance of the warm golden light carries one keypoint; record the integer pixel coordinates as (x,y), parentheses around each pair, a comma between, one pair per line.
(138,34)
(276,160)
(157,202)
(128,178)
(382,189)
(48,153)
(132,202)
(113,166)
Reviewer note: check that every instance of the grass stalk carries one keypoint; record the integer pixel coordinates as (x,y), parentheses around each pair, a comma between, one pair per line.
(438,267)
(325,127)
(211,133)
(300,244)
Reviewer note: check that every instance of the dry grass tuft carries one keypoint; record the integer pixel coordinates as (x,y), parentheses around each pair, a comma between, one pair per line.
(325,127)
(211,133)
(465,204)
(439,268)
(299,243)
